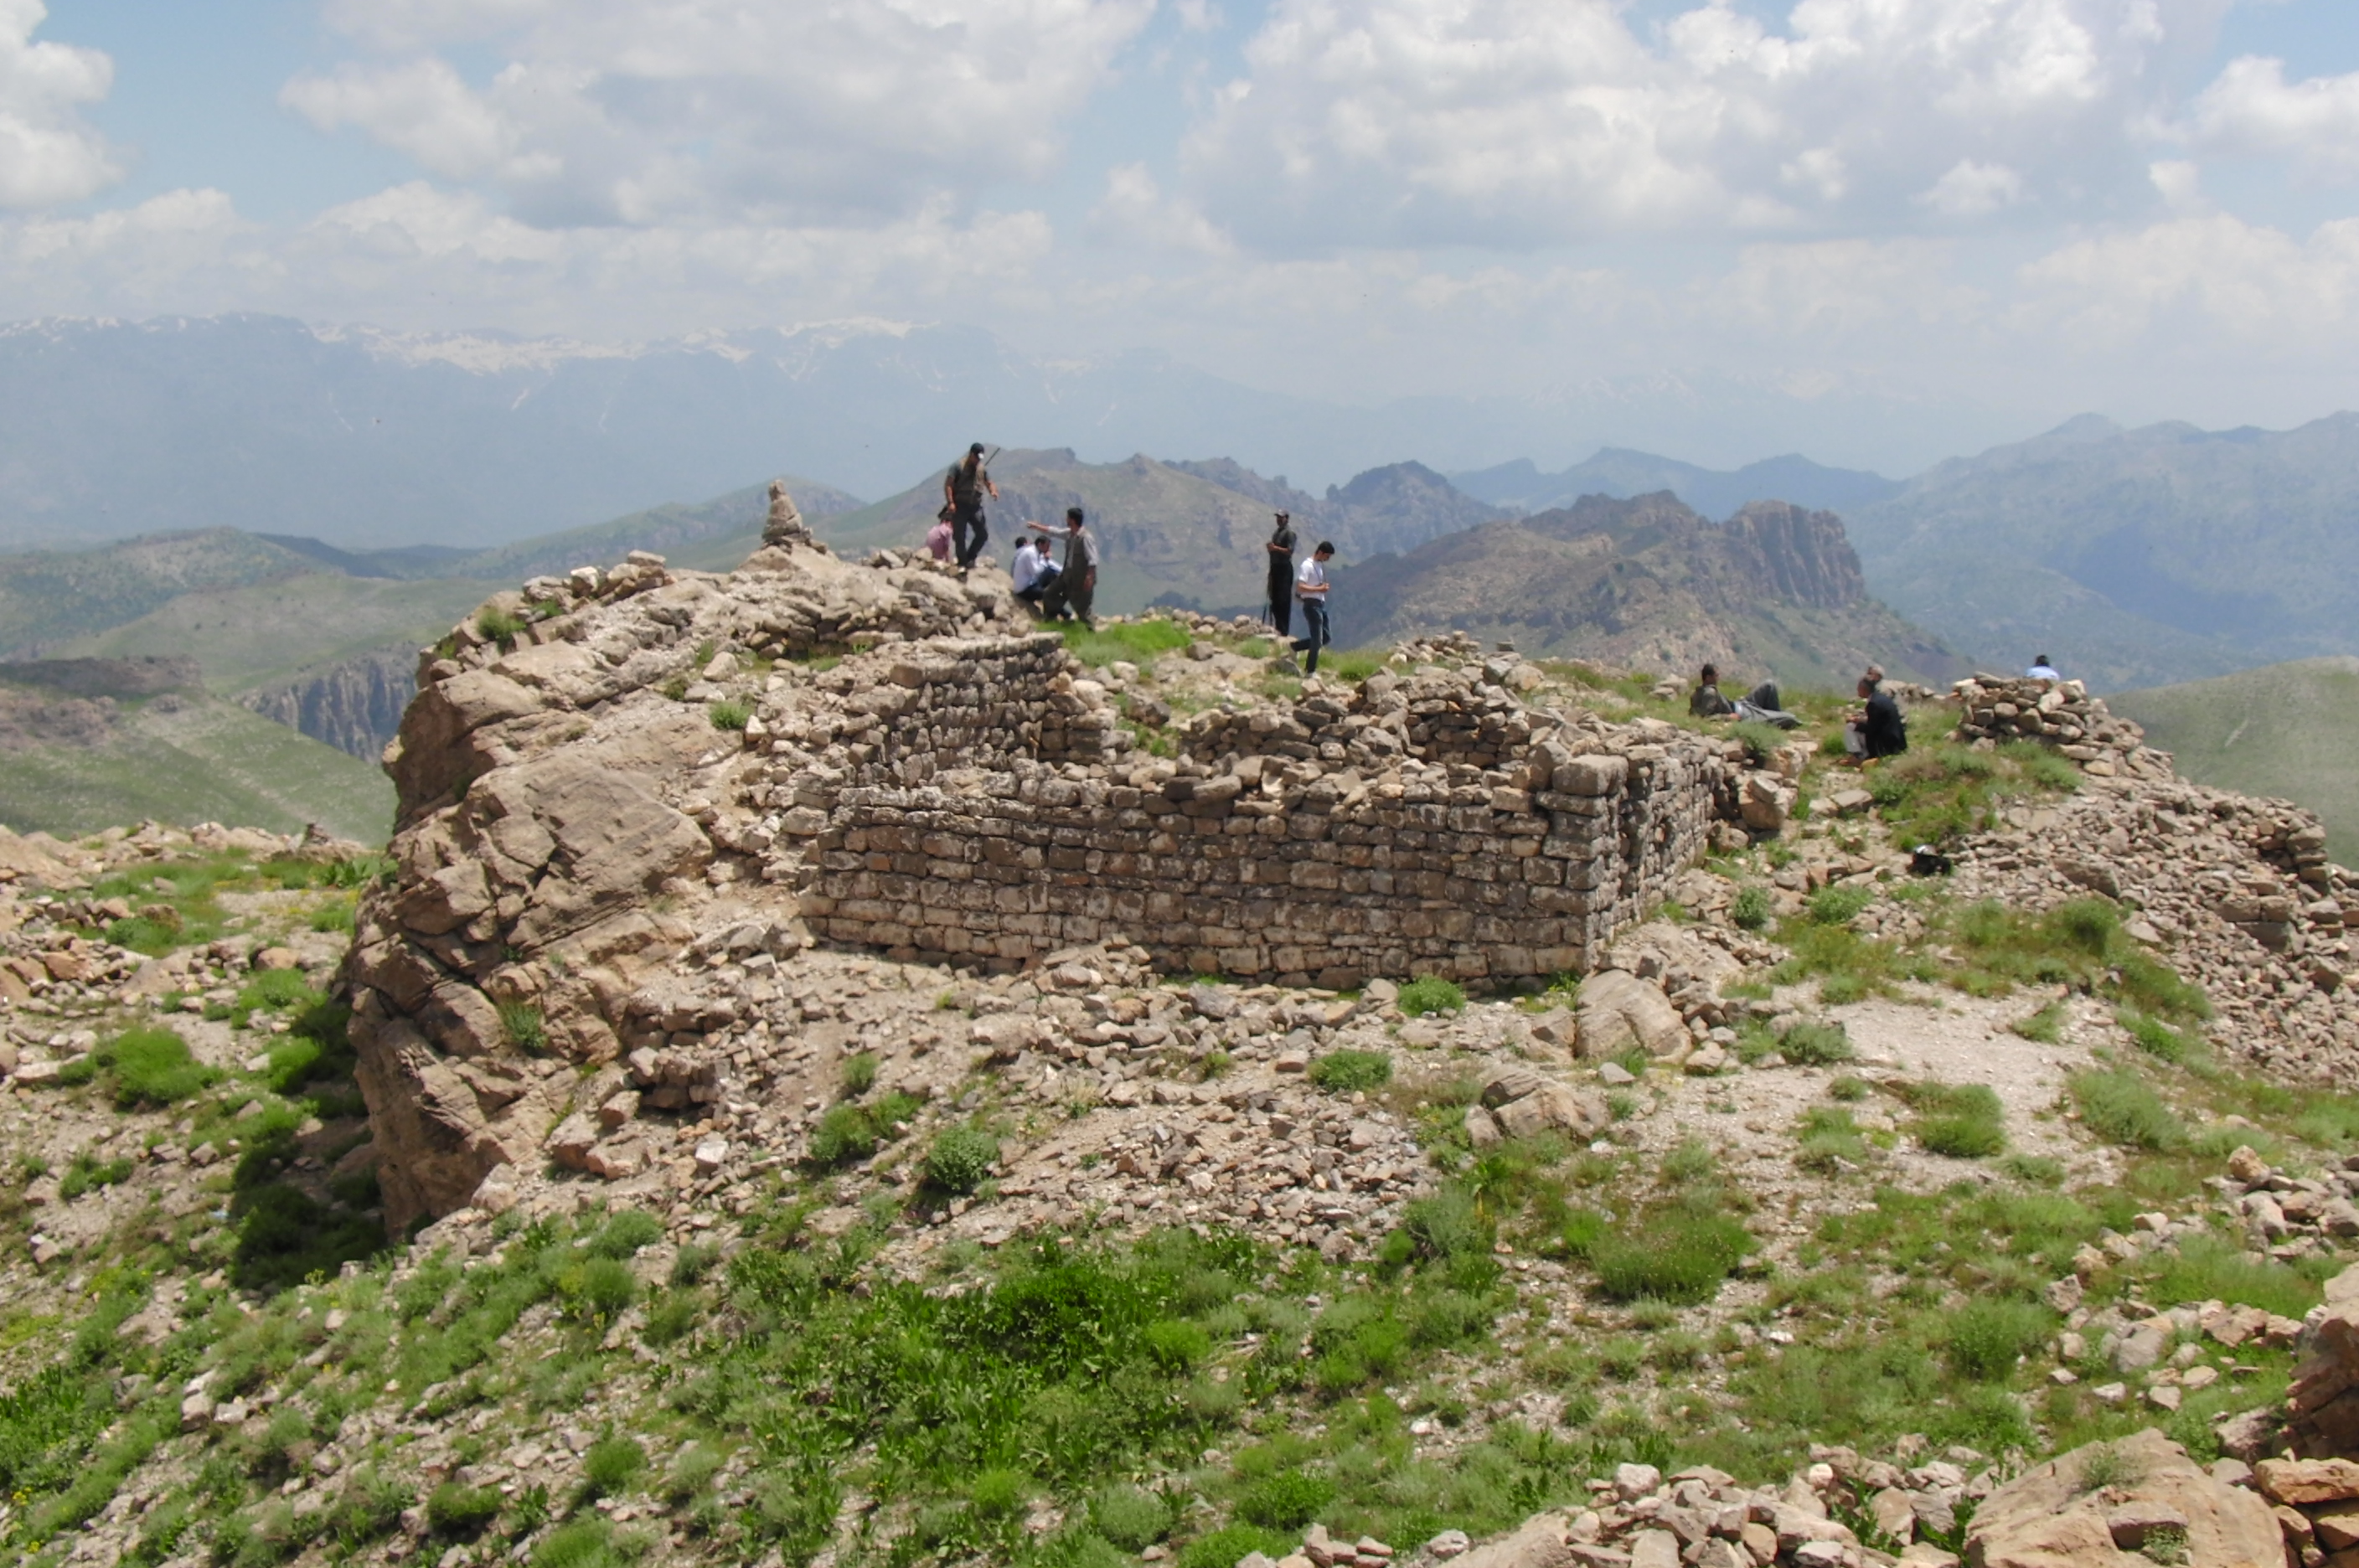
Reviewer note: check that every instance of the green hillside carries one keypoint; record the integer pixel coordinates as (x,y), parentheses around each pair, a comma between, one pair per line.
(50,597)
(261,635)
(208,761)
(2287,730)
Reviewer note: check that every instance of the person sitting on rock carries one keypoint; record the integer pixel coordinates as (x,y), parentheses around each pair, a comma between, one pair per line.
(1760,706)
(938,538)
(2042,669)
(1875,729)
(1034,572)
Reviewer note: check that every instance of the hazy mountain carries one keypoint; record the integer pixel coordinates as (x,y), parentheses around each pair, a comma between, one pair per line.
(362,438)
(1178,533)
(2284,730)
(1616,472)
(1649,583)
(2135,557)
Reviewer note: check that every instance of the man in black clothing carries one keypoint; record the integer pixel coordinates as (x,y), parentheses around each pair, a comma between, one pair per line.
(962,491)
(1073,594)
(1879,730)
(1281,576)
(1761,704)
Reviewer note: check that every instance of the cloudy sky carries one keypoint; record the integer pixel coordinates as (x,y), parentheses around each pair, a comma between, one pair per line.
(1993,213)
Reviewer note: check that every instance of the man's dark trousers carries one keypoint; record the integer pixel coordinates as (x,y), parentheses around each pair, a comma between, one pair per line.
(967,535)
(1314,633)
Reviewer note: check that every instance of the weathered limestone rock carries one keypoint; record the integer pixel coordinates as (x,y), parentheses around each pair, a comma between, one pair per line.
(1618,1010)
(2044,1518)
(2324,1402)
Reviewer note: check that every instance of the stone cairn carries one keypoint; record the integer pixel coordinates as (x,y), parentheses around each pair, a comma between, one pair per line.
(784,527)
(2059,713)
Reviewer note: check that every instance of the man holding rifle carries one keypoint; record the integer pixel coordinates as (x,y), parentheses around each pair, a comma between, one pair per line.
(962,491)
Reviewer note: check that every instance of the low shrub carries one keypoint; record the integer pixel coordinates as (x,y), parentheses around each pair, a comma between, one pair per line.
(960,1160)
(499,625)
(2155,1037)
(154,1067)
(1813,1043)
(87,1173)
(2122,1108)
(1285,1502)
(525,1028)
(1983,1339)
(1131,1516)
(612,1463)
(602,1286)
(730,713)
(1346,1072)
(1839,904)
(1831,1138)
(1430,994)
(859,1074)
(460,1511)
(692,1471)
(626,1233)
(1751,908)
(1224,1548)
(2044,1028)
(1964,1121)
(1671,1254)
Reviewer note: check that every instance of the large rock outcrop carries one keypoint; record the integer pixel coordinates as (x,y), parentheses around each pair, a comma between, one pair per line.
(2111,1503)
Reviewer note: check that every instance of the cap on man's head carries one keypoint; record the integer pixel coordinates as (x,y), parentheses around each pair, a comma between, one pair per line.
(975,450)
(1875,672)
(1285,516)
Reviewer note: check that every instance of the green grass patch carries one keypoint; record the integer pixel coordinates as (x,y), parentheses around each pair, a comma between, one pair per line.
(153,1066)
(1815,1043)
(1129,642)
(1830,1139)
(1752,908)
(1964,1121)
(2079,943)
(960,1160)
(1431,993)
(1347,1072)
(730,713)
(1936,794)
(2123,1108)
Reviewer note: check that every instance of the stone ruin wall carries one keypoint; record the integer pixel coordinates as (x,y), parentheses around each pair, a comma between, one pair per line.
(1417,826)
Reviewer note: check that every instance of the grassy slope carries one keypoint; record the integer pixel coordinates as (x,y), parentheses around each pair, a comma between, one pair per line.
(213,760)
(255,636)
(2287,730)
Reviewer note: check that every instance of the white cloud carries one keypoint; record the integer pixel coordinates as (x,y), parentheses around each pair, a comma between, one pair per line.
(1971,189)
(2206,284)
(1137,212)
(727,111)
(2253,109)
(1527,122)
(47,154)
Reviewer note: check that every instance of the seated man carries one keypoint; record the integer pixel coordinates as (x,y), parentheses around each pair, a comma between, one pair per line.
(1877,729)
(1034,572)
(2042,669)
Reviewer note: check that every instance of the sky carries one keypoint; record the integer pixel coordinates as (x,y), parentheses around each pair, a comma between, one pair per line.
(1918,225)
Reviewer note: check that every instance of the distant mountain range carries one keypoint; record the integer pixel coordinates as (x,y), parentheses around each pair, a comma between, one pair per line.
(1181,533)
(1648,583)
(364,438)
(1619,473)
(2135,557)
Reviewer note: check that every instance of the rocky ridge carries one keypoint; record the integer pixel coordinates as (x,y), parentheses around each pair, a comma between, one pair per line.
(697,1065)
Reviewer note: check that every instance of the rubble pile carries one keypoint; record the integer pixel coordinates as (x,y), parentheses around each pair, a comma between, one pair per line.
(2060,713)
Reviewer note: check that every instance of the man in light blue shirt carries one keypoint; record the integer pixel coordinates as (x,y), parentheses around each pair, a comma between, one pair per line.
(2042,670)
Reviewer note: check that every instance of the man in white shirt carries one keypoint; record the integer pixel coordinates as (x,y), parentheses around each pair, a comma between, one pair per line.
(2041,670)
(1033,570)
(1310,593)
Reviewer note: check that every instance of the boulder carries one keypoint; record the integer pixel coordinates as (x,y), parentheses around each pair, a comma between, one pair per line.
(1618,1010)
(1765,802)
(1539,1543)
(2046,1517)
(2322,1405)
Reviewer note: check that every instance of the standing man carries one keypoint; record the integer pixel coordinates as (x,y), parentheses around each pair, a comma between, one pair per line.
(962,491)
(1076,588)
(1310,593)
(1281,576)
